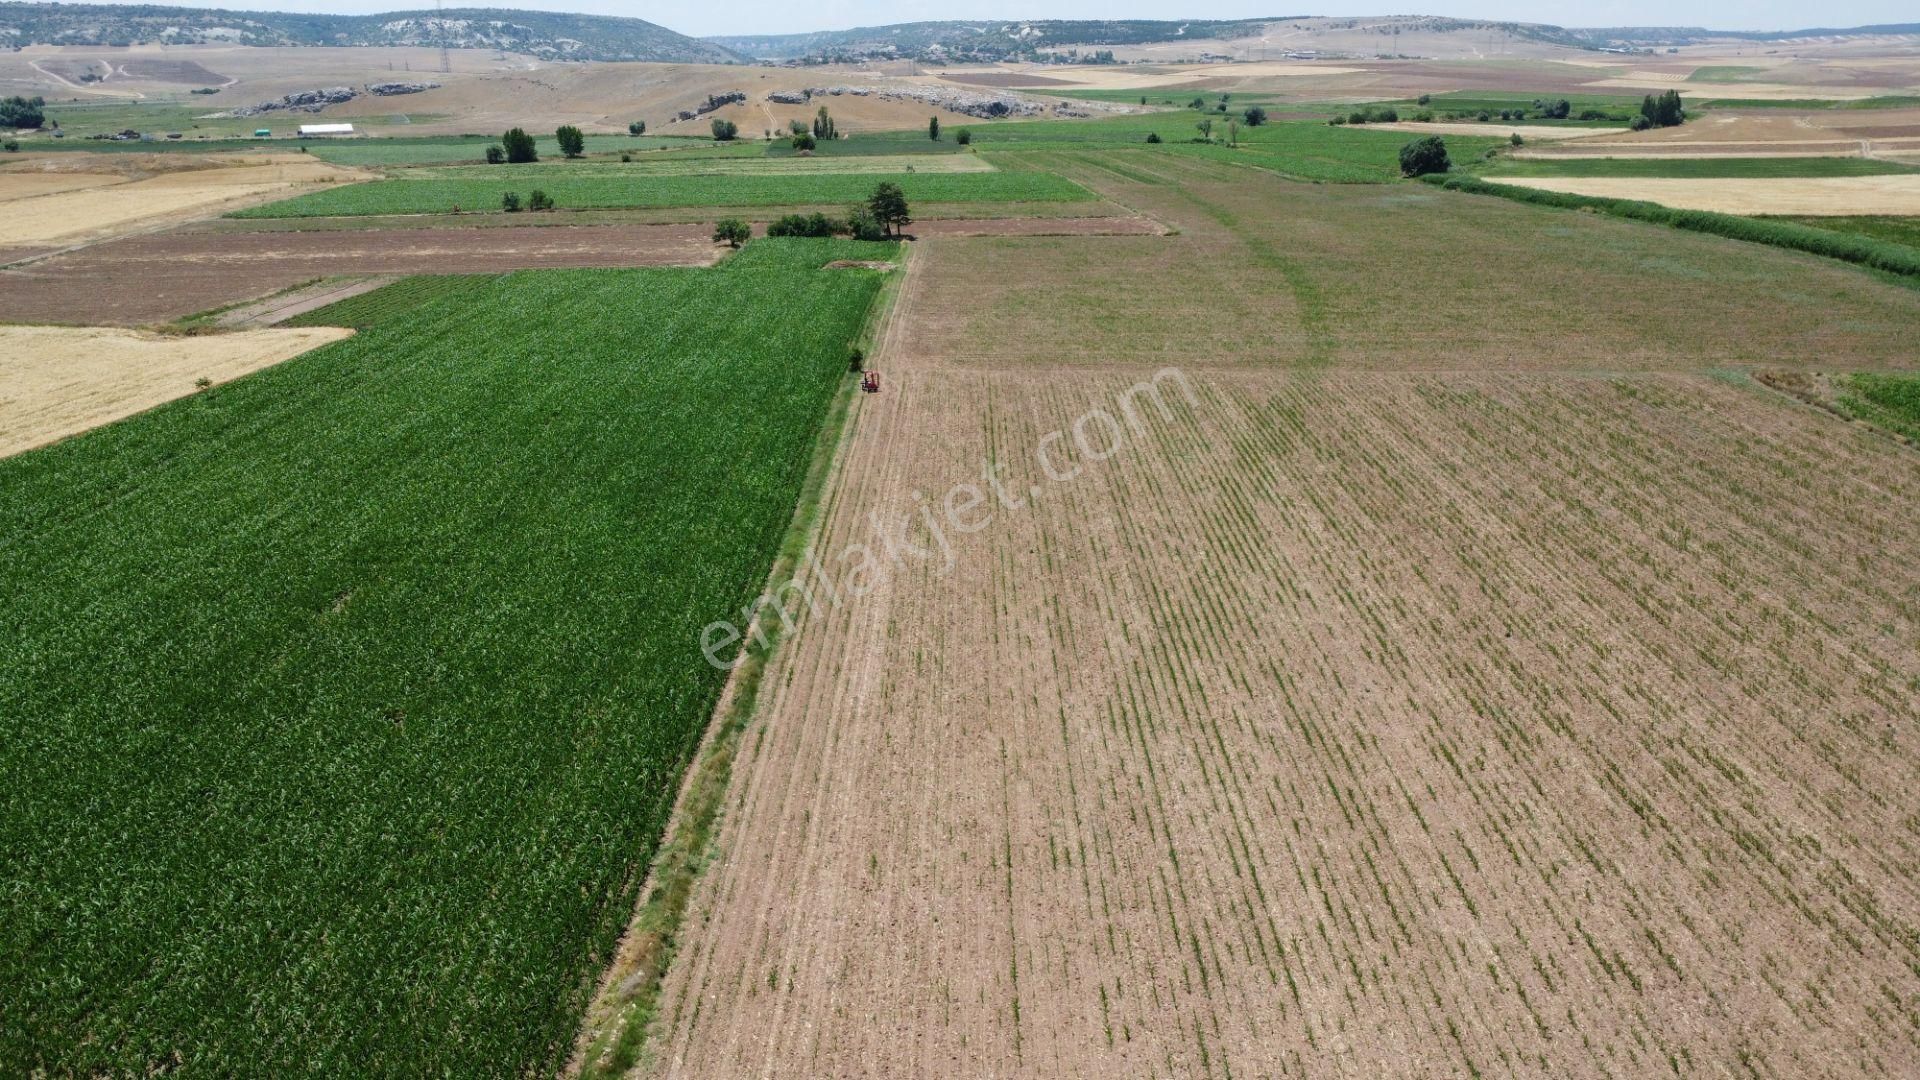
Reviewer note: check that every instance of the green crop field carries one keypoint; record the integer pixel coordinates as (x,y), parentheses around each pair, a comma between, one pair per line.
(341,706)
(700,163)
(482,189)
(1696,168)
(808,253)
(473,148)
(1727,73)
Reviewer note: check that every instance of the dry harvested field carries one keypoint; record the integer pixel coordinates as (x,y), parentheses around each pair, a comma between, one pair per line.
(59,381)
(1387,703)
(87,210)
(144,279)
(1810,195)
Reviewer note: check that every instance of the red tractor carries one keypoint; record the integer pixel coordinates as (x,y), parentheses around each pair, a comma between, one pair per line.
(870,382)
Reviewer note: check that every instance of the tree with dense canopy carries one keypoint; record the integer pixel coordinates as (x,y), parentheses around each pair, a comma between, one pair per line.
(520,147)
(1423,156)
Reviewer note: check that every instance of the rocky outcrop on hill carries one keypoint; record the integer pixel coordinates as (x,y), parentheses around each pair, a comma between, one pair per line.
(983,104)
(393,89)
(311,101)
(714,101)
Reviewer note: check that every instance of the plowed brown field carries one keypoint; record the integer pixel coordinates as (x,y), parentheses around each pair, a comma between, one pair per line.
(1483,715)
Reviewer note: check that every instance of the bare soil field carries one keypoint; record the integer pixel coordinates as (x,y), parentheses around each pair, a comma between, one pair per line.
(59,381)
(1338,724)
(1824,195)
(1468,714)
(16,185)
(146,279)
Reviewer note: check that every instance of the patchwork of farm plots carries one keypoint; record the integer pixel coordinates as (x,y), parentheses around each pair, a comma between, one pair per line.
(354,761)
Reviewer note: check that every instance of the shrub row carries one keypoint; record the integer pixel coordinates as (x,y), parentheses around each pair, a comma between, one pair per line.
(1862,250)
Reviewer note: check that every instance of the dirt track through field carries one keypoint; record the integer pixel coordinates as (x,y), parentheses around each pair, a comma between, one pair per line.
(1341,722)
(146,279)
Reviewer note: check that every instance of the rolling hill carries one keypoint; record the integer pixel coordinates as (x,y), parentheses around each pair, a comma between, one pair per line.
(551,35)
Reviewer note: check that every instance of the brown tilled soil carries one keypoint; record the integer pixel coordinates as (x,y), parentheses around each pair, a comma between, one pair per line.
(1378,722)
(152,278)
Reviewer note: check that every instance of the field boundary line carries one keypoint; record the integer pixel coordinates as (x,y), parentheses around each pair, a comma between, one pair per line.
(613,1032)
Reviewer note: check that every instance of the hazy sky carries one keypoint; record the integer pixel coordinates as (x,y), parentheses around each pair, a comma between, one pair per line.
(702,17)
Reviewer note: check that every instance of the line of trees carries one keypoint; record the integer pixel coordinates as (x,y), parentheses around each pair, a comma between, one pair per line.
(881,217)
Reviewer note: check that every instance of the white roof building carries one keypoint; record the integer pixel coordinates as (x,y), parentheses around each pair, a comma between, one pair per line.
(326,129)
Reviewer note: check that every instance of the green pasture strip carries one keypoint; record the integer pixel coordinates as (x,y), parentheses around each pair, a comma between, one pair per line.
(1885,101)
(342,706)
(1695,168)
(808,253)
(690,163)
(1895,259)
(1896,230)
(484,191)
(869,143)
(473,148)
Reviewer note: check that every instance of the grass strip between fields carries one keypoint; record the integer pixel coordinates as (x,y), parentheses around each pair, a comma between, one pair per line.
(1896,259)
(616,1026)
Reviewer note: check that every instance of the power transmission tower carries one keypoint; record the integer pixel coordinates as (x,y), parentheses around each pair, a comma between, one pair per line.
(446,59)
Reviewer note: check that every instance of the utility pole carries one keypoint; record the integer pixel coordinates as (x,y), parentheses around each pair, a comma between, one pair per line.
(446,59)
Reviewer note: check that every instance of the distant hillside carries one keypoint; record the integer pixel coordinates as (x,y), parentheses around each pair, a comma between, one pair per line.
(1695,35)
(539,33)
(998,40)
(1003,40)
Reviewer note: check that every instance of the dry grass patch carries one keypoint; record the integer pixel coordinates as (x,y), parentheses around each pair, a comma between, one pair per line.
(60,381)
(1897,194)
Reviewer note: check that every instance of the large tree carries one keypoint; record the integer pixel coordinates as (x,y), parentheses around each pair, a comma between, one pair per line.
(520,147)
(572,141)
(888,204)
(1423,156)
